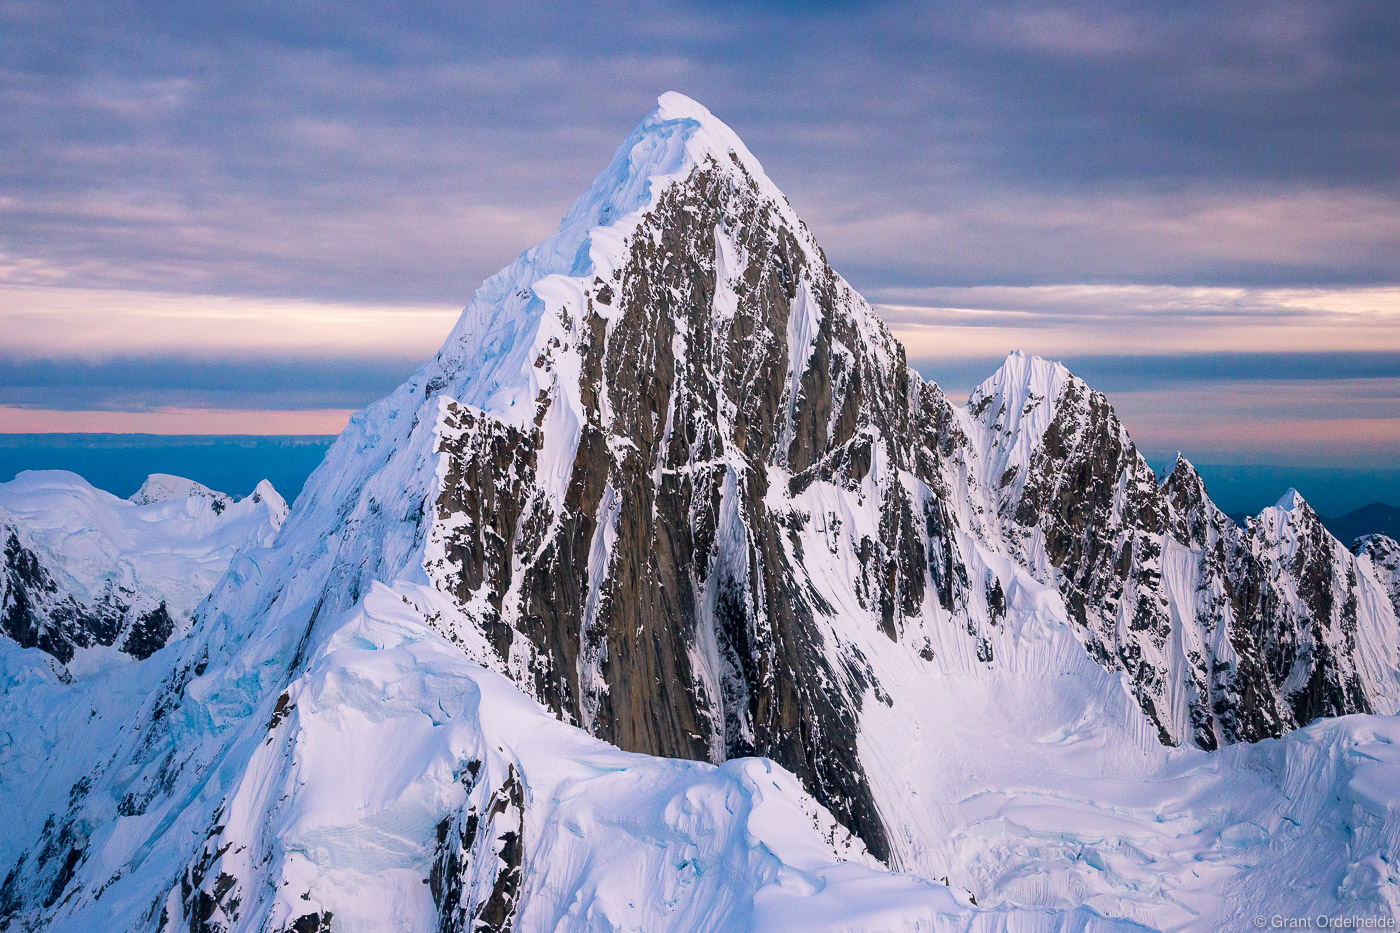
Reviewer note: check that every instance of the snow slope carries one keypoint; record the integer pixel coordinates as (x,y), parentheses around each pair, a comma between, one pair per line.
(394,784)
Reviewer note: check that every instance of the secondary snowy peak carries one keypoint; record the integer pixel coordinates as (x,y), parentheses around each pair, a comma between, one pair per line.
(1203,618)
(1011,412)
(1193,518)
(1380,555)
(1025,388)
(162,487)
(1290,529)
(84,568)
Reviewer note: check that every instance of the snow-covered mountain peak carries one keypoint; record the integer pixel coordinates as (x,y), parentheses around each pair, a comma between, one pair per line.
(1180,462)
(671,482)
(548,291)
(1290,501)
(163,487)
(710,137)
(163,495)
(1024,373)
(1013,408)
(269,498)
(1184,483)
(498,330)
(1024,388)
(1288,520)
(1381,554)
(1190,508)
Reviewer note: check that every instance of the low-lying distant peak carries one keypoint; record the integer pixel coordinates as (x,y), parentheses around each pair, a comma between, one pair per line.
(164,487)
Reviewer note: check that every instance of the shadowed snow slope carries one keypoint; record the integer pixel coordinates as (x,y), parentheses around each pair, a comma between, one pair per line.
(666,596)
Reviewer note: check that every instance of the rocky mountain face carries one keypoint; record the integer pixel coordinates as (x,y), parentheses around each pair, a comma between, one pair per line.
(661,602)
(671,486)
(724,385)
(1381,556)
(1226,634)
(38,613)
(82,568)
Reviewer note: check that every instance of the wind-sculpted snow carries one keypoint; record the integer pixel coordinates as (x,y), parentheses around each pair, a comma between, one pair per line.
(666,596)
(1033,785)
(393,783)
(83,568)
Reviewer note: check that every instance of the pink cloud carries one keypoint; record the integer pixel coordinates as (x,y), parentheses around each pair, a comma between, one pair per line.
(173,421)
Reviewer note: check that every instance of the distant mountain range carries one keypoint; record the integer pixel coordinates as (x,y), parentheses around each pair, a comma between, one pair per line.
(83,569)
(120,463)
(1374,519)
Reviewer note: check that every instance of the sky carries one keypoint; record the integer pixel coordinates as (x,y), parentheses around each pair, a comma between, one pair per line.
(258,217)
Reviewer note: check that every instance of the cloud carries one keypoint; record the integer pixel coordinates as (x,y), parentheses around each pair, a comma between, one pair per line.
(97,324)
(402,154)
(135,384)
(1066,321)
(1194,236)
(209,194)
(172,420)
(1338,423)
(1287,375)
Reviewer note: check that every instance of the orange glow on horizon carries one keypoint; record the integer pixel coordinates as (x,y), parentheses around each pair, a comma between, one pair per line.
(173,421)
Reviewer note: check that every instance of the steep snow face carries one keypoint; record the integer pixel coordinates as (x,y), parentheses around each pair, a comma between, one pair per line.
(84,568)
(1380,556)
(1013,409)
(671,482)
